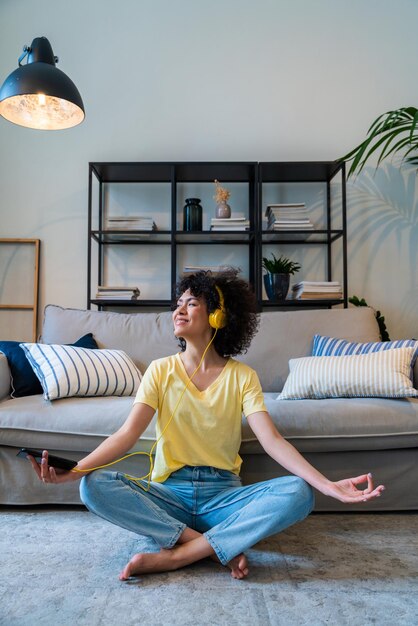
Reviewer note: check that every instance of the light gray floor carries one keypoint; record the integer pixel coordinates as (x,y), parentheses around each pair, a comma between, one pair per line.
(59,567)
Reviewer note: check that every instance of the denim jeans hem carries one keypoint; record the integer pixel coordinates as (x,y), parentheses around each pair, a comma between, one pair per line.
(176,536)
(218,551)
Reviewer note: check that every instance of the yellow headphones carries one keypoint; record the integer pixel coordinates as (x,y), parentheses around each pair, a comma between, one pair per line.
(218,318)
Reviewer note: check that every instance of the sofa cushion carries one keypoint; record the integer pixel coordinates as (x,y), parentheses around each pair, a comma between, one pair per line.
(285,335)
(68,424)
(24,382)
(144,336)
(338,424)
(379,374)
(332,346)
(66,371)
(81,424)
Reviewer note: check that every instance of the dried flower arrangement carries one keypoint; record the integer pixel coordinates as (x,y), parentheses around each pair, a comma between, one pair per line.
(221,194)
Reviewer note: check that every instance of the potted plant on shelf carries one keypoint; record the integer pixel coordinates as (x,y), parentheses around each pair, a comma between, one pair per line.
(277,277)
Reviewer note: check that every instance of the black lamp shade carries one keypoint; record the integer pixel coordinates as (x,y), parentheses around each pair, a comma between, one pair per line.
(39,95)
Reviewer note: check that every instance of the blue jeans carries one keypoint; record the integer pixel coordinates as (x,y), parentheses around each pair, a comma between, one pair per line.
(232,517)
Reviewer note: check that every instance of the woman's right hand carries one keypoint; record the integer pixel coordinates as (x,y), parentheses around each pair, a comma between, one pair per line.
(48,474)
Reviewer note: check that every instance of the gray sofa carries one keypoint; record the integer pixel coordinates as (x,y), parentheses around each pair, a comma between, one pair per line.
(341,437)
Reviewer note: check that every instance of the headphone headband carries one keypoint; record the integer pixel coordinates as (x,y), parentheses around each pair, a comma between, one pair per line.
(221,298)
(218,319)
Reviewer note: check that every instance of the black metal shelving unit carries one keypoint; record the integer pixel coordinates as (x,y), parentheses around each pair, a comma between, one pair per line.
(254,175)
(174,174)
(304,173)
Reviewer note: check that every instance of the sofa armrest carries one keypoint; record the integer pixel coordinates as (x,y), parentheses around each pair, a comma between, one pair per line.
(4,377)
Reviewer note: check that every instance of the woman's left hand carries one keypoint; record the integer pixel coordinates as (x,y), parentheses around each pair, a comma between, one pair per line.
(347,490)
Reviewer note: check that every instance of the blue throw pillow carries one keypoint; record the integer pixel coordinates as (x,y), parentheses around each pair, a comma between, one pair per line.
(24,382)
(332,346)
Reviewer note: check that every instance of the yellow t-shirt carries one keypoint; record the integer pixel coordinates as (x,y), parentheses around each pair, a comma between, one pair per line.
(206,426)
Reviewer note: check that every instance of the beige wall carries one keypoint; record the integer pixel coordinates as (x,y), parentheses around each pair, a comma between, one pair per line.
(217,80)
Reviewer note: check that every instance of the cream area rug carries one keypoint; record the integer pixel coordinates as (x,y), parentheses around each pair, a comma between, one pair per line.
(60,566)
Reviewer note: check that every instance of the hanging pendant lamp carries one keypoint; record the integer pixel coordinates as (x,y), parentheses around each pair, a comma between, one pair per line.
(38,94)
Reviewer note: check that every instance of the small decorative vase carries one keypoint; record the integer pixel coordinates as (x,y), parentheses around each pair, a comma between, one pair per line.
(223,210)
(277,286)
(192,214)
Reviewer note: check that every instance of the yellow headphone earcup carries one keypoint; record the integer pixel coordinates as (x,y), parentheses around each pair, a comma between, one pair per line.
(217,319)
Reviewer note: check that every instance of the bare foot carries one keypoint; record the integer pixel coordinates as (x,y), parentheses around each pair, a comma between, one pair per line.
(179,556)
(166,561)
(239,566)
(148,563)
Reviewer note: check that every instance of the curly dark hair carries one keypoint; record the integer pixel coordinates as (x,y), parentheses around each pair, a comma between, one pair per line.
(240,306)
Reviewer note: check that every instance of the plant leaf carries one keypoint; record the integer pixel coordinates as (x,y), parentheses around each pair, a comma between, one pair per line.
(396,148)
(400,144)
(382,133)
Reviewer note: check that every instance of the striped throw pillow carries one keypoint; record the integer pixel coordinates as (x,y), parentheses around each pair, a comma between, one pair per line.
(66,371)
(382,374)
(330,346)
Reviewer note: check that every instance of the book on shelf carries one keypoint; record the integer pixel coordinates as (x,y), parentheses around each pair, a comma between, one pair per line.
(215,269)
(317,290)
(319,296)
(137,222)
(318,284)
(230,221)
(286,204)
(230,227)
(290,226)
(291,220)
(237,221)
(105,292)
(114,296)
(286,209)
(288,217)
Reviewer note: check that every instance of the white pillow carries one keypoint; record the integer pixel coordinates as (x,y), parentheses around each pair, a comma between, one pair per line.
(378,374)
(65,371)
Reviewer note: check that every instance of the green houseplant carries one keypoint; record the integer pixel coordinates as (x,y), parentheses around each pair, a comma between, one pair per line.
(394,131)
(379,317)
(277,277)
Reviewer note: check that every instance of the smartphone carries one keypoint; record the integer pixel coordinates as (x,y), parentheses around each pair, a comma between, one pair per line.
(55,461)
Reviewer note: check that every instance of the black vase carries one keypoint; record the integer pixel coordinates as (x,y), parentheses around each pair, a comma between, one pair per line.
(192,214)
(277,286)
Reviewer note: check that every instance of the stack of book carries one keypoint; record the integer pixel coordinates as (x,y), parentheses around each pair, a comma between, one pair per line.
(288,217)
(235,222)
(312,290)
(191,269)
(137,222)
(117,293)
(316,290)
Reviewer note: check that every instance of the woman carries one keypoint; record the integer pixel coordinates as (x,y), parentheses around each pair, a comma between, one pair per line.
(195,506)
